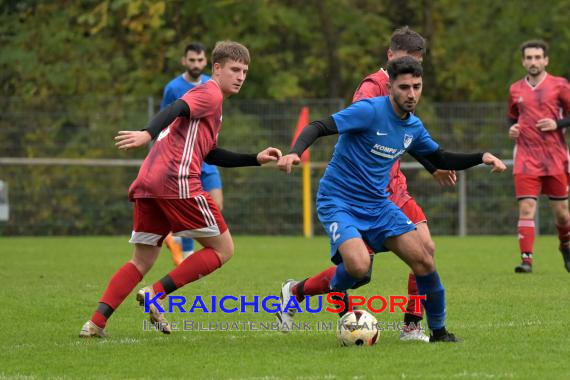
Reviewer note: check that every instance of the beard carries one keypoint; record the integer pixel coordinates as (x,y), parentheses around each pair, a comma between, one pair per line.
(534,71)
(194,73)
(405,107)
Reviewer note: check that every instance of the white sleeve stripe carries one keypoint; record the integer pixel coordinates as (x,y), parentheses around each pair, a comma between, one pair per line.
(184,190)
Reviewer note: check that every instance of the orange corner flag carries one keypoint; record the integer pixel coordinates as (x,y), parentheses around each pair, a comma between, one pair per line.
(301,123)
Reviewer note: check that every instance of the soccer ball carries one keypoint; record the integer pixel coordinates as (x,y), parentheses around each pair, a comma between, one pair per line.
(357,328)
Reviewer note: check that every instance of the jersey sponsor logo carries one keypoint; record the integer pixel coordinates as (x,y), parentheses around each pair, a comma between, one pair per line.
(386,151)
(407,140)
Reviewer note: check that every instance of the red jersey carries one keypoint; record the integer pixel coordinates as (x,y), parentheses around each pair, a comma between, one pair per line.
(374,85)
(172,168)
(539,153)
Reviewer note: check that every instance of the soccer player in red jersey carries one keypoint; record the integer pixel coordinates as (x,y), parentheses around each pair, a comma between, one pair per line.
(539,107)
(168,194)
(403,42)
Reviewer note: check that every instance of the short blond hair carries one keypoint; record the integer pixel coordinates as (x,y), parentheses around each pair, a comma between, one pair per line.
(230,50)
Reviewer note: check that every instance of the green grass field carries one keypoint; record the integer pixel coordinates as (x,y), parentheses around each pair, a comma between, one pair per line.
(514,326)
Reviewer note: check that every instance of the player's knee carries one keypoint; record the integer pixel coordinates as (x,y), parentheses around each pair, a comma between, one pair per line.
(143,265)
(430,247)
(562,216)
(226,253)
(358,269)
(144,257)
(423,265)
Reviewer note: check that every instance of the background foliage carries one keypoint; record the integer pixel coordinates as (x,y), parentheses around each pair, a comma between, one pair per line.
(72,73)
(300,48)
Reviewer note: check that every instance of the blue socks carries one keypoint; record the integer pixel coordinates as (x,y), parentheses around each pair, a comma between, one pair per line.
(187,244)
(431,286)
(342,280)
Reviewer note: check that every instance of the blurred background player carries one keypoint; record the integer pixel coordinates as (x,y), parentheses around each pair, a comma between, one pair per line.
(536,104)
(195,61)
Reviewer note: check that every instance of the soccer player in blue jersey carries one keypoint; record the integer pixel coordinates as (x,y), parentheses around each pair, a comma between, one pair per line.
(352,202)
(194,60)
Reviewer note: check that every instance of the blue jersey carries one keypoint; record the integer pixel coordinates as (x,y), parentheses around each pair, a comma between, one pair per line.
(178,87)
(372,137)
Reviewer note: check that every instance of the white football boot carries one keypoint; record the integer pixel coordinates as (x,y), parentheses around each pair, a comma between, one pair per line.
(91,330)
(155,316)
(285,320)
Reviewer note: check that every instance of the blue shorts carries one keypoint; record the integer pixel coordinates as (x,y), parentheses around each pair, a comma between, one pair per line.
(210,177)
(343,222)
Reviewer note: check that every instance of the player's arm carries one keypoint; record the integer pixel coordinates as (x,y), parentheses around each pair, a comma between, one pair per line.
(308,136)
(442,159)
(514,128)
(135,139)
(546,125)
(513,116)
(443,177)
(228,159)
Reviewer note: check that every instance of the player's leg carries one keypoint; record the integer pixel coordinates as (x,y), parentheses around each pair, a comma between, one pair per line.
(149,229)
(216,251)
(410,249)
(527,190)
(556,187)
(415,310)
(196,217)
(340,227)
(320,284)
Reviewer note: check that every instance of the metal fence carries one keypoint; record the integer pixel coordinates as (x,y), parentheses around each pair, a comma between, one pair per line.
(61,174)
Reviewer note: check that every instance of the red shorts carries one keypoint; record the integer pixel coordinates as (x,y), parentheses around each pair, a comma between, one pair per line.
(413,211)
(194,217)
(553,186)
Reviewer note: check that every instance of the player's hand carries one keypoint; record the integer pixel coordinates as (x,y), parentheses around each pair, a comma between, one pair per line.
(514,131)
(126,140)
(268,155)
(285,163)
(546,125)
(498,165)
(445,177)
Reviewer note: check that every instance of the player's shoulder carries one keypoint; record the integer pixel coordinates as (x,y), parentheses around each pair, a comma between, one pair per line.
(375,103)
(557,80)
(380,76)
(518,84)
(208,92)
(174,82)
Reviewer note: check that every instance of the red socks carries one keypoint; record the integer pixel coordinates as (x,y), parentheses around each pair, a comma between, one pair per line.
(194,267)
(317,284)
(413,291)
(526,235)
(120,286)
